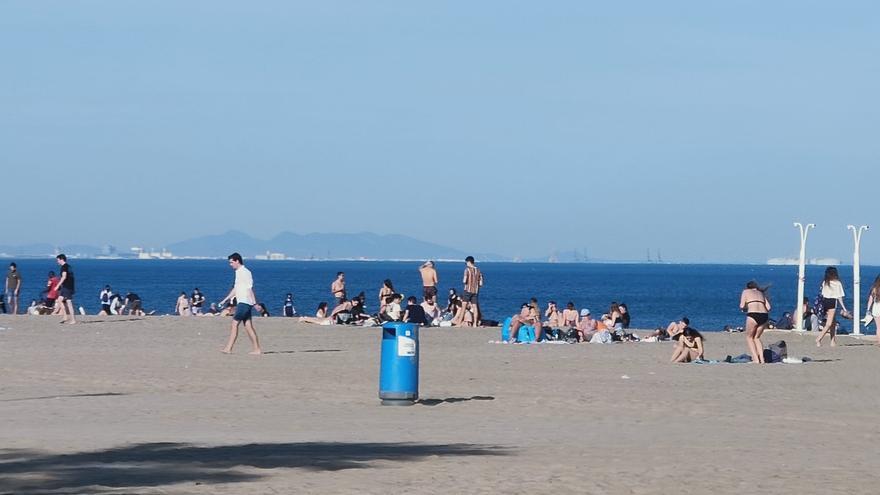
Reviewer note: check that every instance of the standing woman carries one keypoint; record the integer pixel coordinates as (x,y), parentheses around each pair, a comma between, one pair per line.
(753,301)
(832,298)
(385,292)
(874,305)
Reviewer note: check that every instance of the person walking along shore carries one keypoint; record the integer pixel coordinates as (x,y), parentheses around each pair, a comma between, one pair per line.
(243,292)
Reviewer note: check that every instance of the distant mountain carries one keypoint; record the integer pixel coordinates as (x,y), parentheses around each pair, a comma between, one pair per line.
(323,246)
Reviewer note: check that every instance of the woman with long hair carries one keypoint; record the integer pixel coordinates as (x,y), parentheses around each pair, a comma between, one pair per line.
(873,306)
(320,317)
(385,292)
(832,298)
(754,303)
(689,347)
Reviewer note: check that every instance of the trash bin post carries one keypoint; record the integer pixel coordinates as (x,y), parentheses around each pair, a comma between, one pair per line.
(399,369)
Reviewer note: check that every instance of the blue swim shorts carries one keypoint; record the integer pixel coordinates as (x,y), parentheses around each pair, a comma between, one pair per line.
(242,312)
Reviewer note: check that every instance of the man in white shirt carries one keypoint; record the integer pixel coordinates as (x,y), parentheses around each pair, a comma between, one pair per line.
(243,292)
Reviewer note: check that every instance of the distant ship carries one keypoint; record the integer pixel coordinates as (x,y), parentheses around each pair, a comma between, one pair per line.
(811,261)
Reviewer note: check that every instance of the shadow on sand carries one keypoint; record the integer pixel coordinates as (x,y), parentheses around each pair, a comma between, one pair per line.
(452,400)
(306,350)
(102,394)
(158,464)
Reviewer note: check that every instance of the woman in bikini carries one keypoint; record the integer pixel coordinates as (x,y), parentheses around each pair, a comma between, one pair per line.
(385,292)
(874,305)
(753,301)
(689,347)
(320,317)
(832,298)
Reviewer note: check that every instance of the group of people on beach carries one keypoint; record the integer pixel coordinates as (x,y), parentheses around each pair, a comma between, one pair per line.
(569,324)
(460,310)
(57,295)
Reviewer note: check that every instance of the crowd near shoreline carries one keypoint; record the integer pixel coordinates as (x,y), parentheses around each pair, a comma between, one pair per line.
(462,309)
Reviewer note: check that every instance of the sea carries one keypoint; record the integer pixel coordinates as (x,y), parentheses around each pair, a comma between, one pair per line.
(655,293)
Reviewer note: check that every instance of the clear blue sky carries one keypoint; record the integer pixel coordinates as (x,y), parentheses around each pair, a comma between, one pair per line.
(699,128)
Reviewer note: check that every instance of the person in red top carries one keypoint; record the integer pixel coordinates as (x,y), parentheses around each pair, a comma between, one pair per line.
(51,291)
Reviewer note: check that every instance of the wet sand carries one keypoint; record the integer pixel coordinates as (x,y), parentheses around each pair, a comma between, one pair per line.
(150,405)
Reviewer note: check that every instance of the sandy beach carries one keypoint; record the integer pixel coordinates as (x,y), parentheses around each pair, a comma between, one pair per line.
(150,405)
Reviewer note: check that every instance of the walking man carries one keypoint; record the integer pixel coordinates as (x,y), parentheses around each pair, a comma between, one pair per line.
(66,288)
(13,287)
(473,280)
(429,279)
(243,292)
(338,288)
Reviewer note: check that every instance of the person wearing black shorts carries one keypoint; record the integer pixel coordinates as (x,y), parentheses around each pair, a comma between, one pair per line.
(66,288)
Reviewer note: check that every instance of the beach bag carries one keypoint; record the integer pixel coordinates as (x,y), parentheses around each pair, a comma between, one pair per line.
(603,337)
(571,336)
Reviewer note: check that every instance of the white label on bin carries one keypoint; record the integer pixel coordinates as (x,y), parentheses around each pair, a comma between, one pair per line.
(406,347)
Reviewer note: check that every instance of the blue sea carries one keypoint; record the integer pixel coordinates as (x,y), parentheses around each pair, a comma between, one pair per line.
(655,293)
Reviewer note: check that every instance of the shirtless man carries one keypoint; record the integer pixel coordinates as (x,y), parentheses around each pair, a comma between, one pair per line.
(569,316)
(472,280)
(338,288)
(429,279)
(586,326)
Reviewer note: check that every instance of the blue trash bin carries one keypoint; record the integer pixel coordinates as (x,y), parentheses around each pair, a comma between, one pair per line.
(399,371)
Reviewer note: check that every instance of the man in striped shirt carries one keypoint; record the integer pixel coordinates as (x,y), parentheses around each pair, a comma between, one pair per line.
(473,280)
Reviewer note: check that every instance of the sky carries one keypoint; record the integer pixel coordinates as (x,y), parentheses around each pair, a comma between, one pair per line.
(700,129)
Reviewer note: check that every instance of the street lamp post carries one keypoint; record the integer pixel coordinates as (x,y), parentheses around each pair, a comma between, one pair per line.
(799,320)
(857,295)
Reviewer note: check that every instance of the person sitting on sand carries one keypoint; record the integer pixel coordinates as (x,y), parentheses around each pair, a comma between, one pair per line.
(261,310)
(133,304)
(415,313)
(554,319)
(569,316)
(528,315)
(432,311)
(624,315)
(359,313)
(689,347)
(393,311)
(341,314)
(586,326)
(320,317)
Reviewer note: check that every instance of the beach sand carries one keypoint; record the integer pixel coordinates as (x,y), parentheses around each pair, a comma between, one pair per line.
(150,405)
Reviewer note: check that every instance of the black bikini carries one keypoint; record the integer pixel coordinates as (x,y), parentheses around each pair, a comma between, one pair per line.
(760,318)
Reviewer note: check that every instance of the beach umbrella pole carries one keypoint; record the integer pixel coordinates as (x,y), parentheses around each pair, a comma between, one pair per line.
(857,294)
(799,313)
